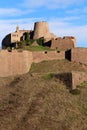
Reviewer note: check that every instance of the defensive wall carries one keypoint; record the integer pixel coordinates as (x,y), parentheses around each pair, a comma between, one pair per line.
(78,78)
(63,43)
(72,79)
(14,63)
(47,55)
(79,55)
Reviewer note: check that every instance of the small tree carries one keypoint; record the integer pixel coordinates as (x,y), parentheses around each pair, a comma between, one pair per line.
(20,44)
(40,41)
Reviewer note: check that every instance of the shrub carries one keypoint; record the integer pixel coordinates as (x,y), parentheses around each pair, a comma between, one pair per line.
(20,44)
(40,41)
(75,91)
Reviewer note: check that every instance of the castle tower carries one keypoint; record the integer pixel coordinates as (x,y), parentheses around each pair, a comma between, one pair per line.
(41,29)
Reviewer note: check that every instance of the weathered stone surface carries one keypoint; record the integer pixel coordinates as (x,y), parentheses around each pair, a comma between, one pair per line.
(78,78)
(63,43)
(47,55)
(41,29)
(79,55)
(13,63)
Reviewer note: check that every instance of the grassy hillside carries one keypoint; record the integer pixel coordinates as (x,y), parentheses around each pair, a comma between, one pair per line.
(56,66)
(39,102)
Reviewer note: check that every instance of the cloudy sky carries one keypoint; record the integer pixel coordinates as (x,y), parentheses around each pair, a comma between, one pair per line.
(65,17)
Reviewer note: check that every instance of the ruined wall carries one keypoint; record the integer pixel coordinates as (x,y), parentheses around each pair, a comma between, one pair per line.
(79,55)
(63,43)
(13,63)
(78,78)
(47,55)
(72,79)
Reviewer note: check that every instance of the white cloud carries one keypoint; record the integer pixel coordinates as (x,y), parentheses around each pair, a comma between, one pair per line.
(13,11)
(51,3)
(62,28)
(76,11)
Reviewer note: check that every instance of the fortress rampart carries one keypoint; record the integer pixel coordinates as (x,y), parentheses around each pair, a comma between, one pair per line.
(14,63)
(79,55)
(47,55)
(63,43)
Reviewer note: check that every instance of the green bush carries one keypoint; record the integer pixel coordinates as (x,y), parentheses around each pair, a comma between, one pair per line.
(20,44)
(40,41)
(75,91)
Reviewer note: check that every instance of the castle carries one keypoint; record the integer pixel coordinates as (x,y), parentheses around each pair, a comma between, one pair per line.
(41,30)
(20,62)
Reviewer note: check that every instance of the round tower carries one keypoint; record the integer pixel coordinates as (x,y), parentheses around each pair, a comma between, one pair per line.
(41,29)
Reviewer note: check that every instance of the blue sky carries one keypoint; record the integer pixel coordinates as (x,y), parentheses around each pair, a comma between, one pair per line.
(65,17)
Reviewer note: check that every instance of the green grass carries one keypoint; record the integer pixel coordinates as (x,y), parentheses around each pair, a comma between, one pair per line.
(36,48)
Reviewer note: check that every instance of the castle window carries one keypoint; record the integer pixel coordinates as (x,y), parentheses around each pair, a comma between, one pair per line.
(14,35)
(45,52)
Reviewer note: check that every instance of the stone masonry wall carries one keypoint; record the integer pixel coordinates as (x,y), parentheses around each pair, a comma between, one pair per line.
(13,63)
(41,29)
(78,78)
(79,55)
(72,79)
(47,55)
(63,43)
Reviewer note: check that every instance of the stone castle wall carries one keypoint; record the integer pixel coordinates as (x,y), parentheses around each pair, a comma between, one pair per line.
(78,78)
(63,43)
(14,63)
(79,55)
(72,79)
(47,55)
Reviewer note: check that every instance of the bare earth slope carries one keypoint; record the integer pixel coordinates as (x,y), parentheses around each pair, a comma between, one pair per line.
(36,102)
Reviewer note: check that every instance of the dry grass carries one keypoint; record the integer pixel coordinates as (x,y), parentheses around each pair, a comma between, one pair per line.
(30,102)
(56,66)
